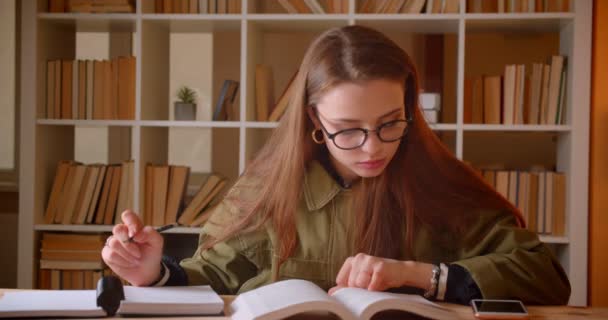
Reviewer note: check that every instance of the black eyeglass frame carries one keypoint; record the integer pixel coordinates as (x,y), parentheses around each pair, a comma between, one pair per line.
(332,136)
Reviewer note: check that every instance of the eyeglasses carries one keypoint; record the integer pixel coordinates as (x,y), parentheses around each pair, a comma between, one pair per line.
(354,138)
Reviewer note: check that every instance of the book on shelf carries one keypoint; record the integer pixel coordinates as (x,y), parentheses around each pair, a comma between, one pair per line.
(409,6)
(473,98)
(70,192)
(85,195)
(290,8)
(213,186)
(193,6)
(336,6)
(492,94)
(517,6)
(79,93)
(178,183)
(125,191)
(159,194)
(263,91)
(225,106)
(56,248)
(92,6)
(108,106)
(66,88)
(315,6)
(137,301)
(164,192)
(287,298)
(104,195)
(442,6)
(300,6)
(110,209)
(198,6)
(56,279)
(58,183)
(283,102)
(94,200)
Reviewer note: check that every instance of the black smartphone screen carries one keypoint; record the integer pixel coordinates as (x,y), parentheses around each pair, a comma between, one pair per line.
(499,306)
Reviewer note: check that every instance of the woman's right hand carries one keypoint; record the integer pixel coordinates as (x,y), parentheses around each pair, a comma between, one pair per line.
(137,261)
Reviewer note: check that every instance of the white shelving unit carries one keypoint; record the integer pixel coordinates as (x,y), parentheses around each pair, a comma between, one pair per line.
(43,141)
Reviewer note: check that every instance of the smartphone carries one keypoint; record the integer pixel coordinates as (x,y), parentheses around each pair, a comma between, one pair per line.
(499,309)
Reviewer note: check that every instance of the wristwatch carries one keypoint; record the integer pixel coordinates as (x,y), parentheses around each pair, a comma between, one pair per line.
(432,291)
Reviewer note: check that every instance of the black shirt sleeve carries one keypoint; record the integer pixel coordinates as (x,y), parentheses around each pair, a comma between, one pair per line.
(177,275)
(460,286)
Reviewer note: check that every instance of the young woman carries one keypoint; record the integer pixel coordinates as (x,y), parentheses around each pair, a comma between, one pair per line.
(354,189)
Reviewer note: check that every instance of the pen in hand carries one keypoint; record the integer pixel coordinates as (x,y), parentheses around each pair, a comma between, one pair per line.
(159,230)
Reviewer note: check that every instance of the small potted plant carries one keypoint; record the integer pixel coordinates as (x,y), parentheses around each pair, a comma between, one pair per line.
(185,107)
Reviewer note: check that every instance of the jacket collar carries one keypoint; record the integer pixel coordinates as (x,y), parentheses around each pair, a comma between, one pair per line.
(319,186)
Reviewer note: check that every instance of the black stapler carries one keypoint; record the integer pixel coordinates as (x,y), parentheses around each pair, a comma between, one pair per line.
(109,294)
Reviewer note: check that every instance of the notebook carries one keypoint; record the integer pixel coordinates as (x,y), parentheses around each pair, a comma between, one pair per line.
(139,301)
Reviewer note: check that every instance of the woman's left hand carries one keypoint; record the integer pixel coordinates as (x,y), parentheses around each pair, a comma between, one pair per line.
(378,274)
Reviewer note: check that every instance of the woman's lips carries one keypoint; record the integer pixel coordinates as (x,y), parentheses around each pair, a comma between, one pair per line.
(370,165)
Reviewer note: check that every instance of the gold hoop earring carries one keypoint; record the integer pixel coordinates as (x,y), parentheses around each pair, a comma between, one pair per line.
(316,139)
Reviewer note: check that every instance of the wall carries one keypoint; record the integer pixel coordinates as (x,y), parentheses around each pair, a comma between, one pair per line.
(598,203)
(7,84)
(8,194)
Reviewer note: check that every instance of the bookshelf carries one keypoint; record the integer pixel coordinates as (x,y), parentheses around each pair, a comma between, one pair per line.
(264,33)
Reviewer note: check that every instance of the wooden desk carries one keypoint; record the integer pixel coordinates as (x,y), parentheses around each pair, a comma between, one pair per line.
(463,312)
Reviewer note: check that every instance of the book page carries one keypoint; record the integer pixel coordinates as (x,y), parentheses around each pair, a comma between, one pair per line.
(50,303)
(283,299)
(364,304)
(188,300)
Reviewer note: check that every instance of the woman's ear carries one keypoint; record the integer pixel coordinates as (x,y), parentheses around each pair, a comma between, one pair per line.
(313,117)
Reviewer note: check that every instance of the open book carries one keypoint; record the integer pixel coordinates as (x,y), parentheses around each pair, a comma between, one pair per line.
(291,297)
(191,300)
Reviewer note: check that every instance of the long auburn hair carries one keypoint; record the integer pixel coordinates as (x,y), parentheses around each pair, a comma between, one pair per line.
(423,184)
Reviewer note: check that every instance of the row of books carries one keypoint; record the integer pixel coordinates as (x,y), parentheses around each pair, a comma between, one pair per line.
(92,6)
(314,6)
(516,97)
(165,191)
(266,108)
(198,6)
(512,6)
(90,194)
(91,89)
(70,260)
(409,6)
(62,279)
(539,195)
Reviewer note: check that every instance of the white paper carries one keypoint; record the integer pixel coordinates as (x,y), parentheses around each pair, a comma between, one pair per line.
(189,300)
(50,303)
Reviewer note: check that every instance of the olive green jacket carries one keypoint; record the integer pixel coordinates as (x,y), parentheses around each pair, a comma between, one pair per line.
(507,262)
